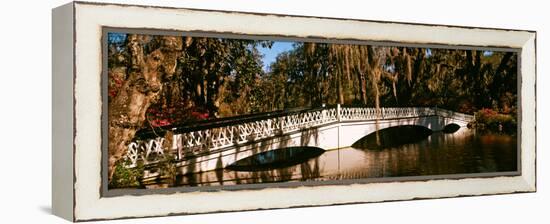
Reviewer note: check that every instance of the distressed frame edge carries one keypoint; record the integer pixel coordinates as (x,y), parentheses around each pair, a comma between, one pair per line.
(529,182)
(62,169)
(528,119)
(297,16)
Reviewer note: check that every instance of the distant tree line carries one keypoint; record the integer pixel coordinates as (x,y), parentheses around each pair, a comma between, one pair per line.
(363,75)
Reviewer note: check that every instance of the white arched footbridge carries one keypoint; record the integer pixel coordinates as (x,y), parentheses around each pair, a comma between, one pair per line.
(211,145)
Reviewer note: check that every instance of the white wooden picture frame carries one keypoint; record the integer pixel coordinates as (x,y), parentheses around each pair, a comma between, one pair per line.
(78,185)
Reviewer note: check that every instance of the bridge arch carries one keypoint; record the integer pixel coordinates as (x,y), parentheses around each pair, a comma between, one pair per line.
(352,132)
(393,136)
(277,158)
(451,128)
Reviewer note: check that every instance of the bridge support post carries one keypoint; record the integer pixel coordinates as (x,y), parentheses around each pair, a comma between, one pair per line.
(338,112)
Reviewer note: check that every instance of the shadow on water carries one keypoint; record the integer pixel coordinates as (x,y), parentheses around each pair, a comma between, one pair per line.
(276,159)
(392,137)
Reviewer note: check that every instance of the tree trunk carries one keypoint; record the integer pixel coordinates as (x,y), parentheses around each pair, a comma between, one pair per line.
(339,89)
(476,73)
(139,91)
(362,87)
(361,78)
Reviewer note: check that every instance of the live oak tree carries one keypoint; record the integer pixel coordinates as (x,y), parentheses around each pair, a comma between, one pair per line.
(154,77)
(149,61)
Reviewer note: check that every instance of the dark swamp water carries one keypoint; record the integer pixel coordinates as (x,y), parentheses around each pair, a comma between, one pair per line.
(462,152)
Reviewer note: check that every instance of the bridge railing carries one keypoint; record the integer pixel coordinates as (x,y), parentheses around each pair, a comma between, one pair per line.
(455,115)
(227,133)
(366,113)
(216,137)
(220,137)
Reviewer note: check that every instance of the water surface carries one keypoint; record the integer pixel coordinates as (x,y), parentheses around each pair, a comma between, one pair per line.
(462,152)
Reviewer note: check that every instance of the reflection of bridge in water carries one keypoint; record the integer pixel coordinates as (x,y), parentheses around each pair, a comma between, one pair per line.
(438,154)
(209,145)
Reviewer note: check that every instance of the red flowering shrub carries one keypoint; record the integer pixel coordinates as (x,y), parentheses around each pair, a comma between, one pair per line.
(492,120)
(158,116)
(115,83)
(199,116)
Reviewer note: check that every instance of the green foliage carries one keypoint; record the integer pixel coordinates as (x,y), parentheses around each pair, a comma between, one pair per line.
(167,168)
(126,177)
(133,177)
(218,77)
(487,119)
